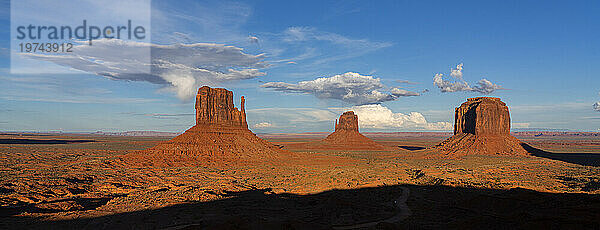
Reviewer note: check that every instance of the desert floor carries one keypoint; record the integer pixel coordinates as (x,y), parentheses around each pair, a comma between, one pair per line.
(80,182)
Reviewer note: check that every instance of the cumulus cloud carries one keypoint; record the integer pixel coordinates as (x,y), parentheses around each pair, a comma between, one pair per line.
(181,68)
(381,117)
(483,86)
(262,125)
(293,115)
(374,117)
(349,87)
(596,106)
(457,72)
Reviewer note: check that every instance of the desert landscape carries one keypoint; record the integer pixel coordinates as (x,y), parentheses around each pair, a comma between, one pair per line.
(307,115)
(220,175)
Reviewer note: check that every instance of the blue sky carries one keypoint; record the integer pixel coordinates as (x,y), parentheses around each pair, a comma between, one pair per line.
(541,58)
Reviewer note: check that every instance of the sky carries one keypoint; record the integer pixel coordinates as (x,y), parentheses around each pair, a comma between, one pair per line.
(400,65)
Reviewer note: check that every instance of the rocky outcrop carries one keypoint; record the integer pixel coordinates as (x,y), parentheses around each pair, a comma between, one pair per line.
(348,121)
(221,135)
(482,116)
(347,137)
(214,106)
(482,126)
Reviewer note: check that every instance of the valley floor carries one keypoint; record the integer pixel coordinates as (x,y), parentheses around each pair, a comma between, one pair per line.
(79,181)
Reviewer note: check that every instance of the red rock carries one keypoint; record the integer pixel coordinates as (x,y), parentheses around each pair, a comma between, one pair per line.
(347,137)
(221,135)
(215,107)
(482,126)
(348,121)
(482,116)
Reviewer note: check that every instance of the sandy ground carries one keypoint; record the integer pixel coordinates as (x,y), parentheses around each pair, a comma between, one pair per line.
(79,182)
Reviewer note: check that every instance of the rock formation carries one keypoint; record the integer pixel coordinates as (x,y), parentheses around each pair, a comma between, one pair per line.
(347,137)
(482,126)
(220,135)
(214,107)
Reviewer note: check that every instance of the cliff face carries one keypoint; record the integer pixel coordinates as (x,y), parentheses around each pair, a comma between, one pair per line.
(482,116)
(214,106)
(220,136)
(482,126)
(348,121)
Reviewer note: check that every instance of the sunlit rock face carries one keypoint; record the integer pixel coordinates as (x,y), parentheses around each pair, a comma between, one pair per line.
(220,136)
(482,126)
(482,116)
(348,121)
(214,106)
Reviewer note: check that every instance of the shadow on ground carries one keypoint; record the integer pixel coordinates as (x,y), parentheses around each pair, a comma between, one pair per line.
(41,141)
(25,134)
(432,207)
(586,159)
(411,148)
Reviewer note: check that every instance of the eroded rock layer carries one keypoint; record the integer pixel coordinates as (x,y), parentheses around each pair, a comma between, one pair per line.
(215,107)
(347,137)
(221,135)
(482,126)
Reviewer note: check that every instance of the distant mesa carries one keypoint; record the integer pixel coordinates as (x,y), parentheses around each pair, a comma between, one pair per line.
(347,137)
(221,135)
(482,126)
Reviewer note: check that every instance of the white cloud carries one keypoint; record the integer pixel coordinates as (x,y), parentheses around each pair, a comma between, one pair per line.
(381,117)
(263,125)
(374,117)
(483,86)
(403,93)
(457,72)
(349,87)
(597,106)
(182,68)
(294,115)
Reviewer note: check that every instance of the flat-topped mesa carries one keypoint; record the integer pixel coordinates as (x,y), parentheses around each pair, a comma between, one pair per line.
(347,122)
(214,106)
(482,116)
(482,126)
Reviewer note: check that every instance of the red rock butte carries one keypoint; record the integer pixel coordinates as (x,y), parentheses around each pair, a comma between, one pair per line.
(347,137)
(214,107)
(482,126)
(220,135)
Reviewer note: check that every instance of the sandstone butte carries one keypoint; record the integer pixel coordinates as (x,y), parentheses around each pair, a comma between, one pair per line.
(347,137)
(482,126)
(221,135)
